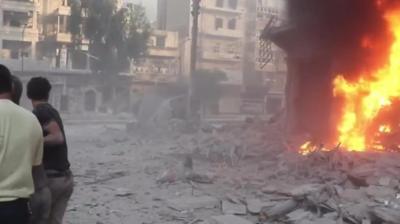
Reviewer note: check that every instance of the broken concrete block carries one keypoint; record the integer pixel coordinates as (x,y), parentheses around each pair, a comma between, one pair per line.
(380,192)
(254,206)
(353,195)
(384,181)
(278,210)
(318,221)
(192,203)
(305,190)
(229,208)
(228,219)
(388,215)
(298,215)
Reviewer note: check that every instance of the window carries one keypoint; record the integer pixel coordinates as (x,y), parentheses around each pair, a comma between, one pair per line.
(220,3)
(233,4)
(232,24)
(219,23)
(217,48)
(160,42)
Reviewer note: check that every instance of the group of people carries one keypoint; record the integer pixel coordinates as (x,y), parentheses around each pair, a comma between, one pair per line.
(35,178)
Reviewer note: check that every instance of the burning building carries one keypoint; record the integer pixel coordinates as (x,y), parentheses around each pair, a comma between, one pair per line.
(344,71)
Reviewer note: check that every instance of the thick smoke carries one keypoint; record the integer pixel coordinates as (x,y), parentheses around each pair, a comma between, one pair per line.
(342,27)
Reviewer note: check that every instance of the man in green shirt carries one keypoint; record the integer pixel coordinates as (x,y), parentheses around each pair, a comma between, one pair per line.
(21,149)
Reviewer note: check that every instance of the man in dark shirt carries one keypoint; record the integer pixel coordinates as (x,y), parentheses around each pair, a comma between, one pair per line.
(55,157)
(40,201)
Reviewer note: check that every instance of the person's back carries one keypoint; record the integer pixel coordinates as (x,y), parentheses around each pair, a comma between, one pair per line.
(21,149)
(19,137)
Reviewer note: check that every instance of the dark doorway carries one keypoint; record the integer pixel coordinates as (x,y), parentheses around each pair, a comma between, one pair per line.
(90,100)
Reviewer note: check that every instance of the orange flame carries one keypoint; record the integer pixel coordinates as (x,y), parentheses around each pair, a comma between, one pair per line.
(365,98)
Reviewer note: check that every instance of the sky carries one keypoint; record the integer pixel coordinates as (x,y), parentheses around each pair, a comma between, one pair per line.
(151,7)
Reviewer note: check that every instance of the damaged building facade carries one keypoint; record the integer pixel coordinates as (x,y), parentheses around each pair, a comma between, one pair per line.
(35,40)
(228,41)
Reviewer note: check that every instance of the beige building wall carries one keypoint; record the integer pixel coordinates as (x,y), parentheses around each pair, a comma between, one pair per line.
(162,62)
(18,30)
(220,40)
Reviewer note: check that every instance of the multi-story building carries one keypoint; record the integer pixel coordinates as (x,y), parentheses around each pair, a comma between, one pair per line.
(34,34)
(57,45)
(264,66)
(18,31)
(162,61)
(220,38)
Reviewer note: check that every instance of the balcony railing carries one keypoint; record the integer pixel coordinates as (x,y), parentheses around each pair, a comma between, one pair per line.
(15,33)
(16,5)
(63,11)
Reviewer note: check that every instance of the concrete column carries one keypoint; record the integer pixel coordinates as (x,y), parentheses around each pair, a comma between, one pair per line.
(34,49)
(1,16)
(58,24)
(309,97)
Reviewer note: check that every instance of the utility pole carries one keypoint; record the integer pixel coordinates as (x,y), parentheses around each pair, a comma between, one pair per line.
(193,58)
(22,47)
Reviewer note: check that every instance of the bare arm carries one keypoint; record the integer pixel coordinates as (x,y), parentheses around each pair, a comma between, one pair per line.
(55,135)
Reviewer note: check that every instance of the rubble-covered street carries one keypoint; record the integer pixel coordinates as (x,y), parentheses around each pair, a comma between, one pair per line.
(224,174)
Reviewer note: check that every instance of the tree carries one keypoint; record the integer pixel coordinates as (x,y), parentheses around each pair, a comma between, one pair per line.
(117,36)
(207,87)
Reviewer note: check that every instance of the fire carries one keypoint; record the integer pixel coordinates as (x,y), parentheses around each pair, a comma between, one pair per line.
(307,148)
(366,98)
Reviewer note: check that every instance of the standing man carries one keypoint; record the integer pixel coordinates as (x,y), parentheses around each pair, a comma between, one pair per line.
(55,157)
(21,149)
(40,201)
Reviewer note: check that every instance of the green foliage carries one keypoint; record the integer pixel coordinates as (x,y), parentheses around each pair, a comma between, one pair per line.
(116,36)
(207,86)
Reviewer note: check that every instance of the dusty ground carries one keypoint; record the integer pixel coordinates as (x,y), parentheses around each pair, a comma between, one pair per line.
(116,179)
(116,175)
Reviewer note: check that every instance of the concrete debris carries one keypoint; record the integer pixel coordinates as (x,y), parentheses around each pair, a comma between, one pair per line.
(185,173)
(192,203)
(228,219)
(254,206)
(229,208)
(299,215)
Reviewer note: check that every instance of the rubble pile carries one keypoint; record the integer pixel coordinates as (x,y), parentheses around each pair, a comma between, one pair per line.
(232,143)
(322,187)
(345,187)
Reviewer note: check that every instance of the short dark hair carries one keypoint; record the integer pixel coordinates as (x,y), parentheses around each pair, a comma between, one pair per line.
(38,89)
(5,80)
(16,89)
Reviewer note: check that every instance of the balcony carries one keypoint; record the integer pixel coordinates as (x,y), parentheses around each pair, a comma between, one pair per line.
(223,33)
(163,52)
(228,11)
(15,33)
(61,37)
(227,57)
(19,6)
(63,11)
(64,37)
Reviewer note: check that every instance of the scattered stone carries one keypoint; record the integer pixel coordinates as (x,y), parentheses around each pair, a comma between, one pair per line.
(121,192)
(228,219)
(192,203)
(278,210)
(380,192)
(299,215)
(318,221)
(384,181)
(229,208)
(254,206)
(305,190)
